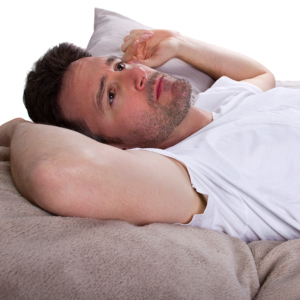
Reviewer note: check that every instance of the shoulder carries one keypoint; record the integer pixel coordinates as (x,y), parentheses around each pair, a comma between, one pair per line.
(227,84)
(223,91)
(168,186)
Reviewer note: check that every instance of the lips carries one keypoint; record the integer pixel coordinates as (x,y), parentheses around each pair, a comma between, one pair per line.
(159,87)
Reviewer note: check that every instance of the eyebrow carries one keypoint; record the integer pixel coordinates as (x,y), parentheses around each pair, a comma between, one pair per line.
(109,61)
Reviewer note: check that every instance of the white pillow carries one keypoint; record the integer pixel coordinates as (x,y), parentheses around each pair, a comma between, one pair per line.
(110,29)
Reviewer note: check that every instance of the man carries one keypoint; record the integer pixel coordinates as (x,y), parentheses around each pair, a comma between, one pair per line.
(126,104)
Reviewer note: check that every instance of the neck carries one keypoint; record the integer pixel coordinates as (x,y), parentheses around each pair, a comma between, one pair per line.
(195,120)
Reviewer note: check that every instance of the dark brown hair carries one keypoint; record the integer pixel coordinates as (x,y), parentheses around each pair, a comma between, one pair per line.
(43,87)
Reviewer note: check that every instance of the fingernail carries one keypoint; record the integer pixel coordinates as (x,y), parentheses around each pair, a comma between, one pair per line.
(134,44)
(145,37)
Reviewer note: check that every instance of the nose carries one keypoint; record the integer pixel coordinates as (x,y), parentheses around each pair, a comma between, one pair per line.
(138,75)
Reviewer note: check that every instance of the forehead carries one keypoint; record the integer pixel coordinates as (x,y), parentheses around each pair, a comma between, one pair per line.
(83,74)
(87,65)
(81,80)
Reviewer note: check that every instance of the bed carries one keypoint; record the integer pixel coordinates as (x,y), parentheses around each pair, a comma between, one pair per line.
(44,256)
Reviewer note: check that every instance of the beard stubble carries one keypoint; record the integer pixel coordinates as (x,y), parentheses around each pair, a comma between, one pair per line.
(155,126)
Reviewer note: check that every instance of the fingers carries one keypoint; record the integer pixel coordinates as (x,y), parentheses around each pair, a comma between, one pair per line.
(141,40)
(141,36)
(131,51)
(137,32)
(140,31)
(136,36)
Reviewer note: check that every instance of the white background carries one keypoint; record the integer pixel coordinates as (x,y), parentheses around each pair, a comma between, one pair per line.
(268,31)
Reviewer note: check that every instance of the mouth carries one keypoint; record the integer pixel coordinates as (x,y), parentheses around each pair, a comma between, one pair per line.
(159,87)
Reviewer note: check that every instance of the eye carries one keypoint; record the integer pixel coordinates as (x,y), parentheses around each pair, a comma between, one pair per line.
(111,97)
(120,66)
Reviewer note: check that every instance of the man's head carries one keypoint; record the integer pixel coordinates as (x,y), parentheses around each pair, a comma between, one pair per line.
(125,105)
(44,85)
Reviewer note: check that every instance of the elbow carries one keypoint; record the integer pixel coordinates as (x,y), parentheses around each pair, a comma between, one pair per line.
(265,81)
(271,80)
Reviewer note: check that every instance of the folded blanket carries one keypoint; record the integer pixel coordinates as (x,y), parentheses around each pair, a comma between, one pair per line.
(278,266)
(50,257)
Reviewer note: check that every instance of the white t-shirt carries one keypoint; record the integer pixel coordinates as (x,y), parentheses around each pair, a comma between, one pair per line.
(247,161)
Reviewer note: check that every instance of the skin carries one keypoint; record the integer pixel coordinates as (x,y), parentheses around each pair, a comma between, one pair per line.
(131,115)
(69,174)
(134,117)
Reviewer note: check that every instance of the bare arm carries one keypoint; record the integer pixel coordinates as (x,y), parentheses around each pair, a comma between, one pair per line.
(69,174)
(154,50)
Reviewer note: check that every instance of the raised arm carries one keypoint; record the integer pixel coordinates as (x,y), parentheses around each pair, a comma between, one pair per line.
(68,174)
(154,48)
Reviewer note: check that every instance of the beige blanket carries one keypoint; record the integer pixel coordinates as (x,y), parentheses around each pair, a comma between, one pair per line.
(50,257)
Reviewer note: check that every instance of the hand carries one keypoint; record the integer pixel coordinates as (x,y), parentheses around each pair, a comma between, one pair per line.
(151,48)
(7,130)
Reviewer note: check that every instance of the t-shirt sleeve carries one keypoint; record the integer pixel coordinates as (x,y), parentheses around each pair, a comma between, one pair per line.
(224,90)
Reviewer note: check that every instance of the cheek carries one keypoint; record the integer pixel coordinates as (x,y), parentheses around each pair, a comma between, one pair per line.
(133,115)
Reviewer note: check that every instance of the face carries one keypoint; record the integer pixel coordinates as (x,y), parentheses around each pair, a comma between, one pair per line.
(129,104)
